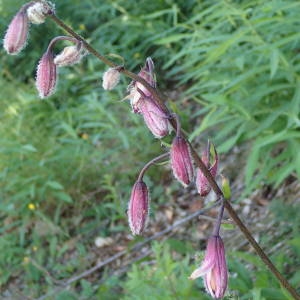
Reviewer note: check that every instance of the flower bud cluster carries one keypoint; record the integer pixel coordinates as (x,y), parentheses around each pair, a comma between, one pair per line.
(156,117)
(47,75)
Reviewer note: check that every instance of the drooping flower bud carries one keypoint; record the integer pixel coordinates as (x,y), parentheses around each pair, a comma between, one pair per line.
(142,102)
(70,55)
(155,118)
(213,268)
(202,184)
(138,207)
(17,32)
(46,75)
(138,91)
(181,161)
(147,73)
(111,78)
(38,12)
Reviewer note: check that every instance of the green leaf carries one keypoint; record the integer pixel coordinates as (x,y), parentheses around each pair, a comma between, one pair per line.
(274,61)
(54,185)
(64,197)
(29,148)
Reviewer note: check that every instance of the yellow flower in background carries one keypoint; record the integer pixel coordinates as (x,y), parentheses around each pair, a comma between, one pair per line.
(26,260)
(31,206)
(84,136)
(82,27)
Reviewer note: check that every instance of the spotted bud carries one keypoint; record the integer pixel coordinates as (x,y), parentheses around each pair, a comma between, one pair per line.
(38,12)
(46,75)
(69,56)
(111,78)
(202,183)
(181,161)
(138,208)
(17,33)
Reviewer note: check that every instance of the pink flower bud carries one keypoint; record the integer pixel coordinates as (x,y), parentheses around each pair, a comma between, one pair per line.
(17,32)
(38,11)
(147,73)
(213,268)
(202,183)
(138,208)
(46,75)
(69,56)
(181,161)
(111,78)
(155,118)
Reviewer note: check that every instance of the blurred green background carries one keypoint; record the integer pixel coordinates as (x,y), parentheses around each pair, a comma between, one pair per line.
(230,69)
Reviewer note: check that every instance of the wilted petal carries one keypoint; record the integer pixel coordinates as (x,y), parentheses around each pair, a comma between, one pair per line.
(46,75)
(181,161)
(138,208)
(17,32)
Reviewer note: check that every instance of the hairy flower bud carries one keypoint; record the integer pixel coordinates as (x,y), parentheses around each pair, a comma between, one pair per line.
(202,184)
(147,73)
(138,208)
(214,268)
(69,56)
(17,32)
(111,78)
(155,118)
(38,12)
(46,75)
(181,161)
(138,91)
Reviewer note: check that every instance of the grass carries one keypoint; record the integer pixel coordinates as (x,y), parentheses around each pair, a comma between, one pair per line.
(229,68)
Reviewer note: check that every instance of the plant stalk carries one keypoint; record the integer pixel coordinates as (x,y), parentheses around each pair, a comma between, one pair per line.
(197,159)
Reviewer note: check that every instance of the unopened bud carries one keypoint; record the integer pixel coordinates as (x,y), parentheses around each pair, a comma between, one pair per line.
(138,207)
(202,183)
(46,75)
(111,78)
(17,32)
(155,118)
(214,268)
(226,188)
(38,12)
(69,56)
(147,73)
(181,161)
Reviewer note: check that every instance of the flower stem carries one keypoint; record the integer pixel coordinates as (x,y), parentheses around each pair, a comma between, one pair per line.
(150,163)
(197,160)
(217,226)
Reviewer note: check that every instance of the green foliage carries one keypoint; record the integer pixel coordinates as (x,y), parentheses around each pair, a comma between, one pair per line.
(240,61)
(67,163)
(165,279)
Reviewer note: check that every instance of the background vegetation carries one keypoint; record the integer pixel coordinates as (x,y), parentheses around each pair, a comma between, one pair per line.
(229,68)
